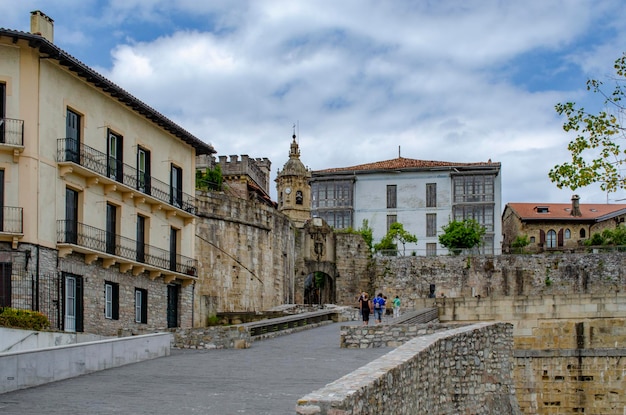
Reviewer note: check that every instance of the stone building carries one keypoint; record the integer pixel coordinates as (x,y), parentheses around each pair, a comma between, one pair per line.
(422,195)
(556,226)
(245,178)
(98,195)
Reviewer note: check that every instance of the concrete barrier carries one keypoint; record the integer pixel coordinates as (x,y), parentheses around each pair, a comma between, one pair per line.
(24,369)
(16,340)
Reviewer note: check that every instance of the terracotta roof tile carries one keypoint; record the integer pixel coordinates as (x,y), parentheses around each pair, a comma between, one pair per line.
(562,211)
(406,163)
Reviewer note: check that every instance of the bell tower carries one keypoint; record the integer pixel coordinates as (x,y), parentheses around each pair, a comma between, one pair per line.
(293,188)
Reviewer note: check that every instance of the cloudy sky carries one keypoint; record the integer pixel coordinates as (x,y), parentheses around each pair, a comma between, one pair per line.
(363,80)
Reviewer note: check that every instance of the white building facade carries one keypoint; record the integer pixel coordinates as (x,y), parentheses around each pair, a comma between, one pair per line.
(423,196)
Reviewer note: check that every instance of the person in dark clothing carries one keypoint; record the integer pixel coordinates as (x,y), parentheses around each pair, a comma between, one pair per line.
(365,305)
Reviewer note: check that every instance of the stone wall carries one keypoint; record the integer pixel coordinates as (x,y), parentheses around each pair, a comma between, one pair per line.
(569,350)
(386,335)
(245,254)
(501,275)
(466,370)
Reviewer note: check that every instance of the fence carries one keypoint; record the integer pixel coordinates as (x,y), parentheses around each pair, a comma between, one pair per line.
(41,293)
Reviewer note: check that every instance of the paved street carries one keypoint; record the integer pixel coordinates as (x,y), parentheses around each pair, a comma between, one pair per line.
(268,378)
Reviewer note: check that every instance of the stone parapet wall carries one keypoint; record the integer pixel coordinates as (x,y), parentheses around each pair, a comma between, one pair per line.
(386,335)
(499,276)
(464,370)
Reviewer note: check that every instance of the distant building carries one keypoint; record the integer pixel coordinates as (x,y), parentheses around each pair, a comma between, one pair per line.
(556,226)
(98,195)
(422,195)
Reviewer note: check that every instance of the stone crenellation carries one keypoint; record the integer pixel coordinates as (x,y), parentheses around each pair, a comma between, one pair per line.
(465,370)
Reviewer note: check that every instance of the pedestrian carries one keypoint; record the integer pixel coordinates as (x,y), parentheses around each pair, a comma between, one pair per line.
(379,304)
(385,310)
(396,307)
(365,305)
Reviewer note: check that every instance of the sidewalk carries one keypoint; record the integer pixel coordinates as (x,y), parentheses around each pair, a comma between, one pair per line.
(266,379)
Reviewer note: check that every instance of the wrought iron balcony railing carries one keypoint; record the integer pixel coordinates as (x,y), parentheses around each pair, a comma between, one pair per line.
(12,220)
(12,131)
(100,240)
(70,150)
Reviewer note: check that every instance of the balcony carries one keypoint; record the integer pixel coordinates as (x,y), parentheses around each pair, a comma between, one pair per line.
(12,136)
(131,256)
(115,176)
(11,224)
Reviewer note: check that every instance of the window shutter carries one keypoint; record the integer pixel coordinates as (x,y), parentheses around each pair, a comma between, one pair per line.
(542,237)
(560,237)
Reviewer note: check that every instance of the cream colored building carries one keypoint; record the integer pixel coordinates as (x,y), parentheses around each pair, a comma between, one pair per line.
(97,195)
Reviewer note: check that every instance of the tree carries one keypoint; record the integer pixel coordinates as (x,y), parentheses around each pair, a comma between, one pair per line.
(458,235)
(396,233)
(520,243)
(597,156)
(615,237)
(210,179)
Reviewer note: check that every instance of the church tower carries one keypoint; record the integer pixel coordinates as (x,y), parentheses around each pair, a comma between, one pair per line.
(293,188)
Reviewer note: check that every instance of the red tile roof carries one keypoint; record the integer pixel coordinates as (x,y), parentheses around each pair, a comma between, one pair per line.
(562,211)
(405,163)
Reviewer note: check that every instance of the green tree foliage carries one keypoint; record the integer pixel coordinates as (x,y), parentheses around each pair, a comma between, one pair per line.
(396,234)
(210,179)
(597,156)
(520,242)
(459,235)
(614,237)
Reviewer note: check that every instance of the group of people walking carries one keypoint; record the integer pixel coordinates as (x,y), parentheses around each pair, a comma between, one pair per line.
(376,306)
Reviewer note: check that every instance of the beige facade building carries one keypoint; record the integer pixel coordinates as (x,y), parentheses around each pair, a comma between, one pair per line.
(97,195)
(558,226)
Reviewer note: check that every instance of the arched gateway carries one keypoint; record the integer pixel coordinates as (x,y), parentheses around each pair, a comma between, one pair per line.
(316,273)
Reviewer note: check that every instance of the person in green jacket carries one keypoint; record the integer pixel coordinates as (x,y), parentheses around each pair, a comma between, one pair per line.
(396,307)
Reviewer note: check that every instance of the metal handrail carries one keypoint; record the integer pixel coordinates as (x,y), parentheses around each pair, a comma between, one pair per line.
(100,240)
(12,131)
(71,150)
(12,220)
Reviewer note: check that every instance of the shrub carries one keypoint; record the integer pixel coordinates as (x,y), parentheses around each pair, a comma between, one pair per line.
(23,319)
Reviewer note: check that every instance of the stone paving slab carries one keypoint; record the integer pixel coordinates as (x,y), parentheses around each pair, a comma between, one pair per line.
(266,379)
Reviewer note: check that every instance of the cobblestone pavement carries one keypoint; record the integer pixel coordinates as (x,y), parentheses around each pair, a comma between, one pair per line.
(266,379)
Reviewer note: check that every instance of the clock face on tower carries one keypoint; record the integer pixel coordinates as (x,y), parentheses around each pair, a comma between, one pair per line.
(288,190)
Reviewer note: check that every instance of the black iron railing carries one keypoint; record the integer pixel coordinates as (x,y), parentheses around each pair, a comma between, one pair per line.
(12,220)
(11,131)
(69,232)
(70,150)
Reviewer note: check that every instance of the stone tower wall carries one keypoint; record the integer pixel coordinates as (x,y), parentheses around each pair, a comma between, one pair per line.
(245,253)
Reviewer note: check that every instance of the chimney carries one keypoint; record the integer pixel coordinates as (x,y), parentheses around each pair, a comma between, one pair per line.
(576,206)
(42,25)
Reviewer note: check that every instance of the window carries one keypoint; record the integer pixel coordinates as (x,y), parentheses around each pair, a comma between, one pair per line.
(114,156)
(143,170)
(551,239)
(176,186)
(173,248)
(582,234)
(2,112)
(72,303)
(141,306)
(474,188)
(2,201)
(568,234)
(431,224)
(532,239)
(431,249)
(72,136)
(141,238)
(71,216)
(392,190)
(5,284)
(111,231)
(391,219)
(299,197)
(111,300)
(431,194)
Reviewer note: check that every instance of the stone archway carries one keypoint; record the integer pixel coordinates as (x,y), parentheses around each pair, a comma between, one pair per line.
(319,289)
